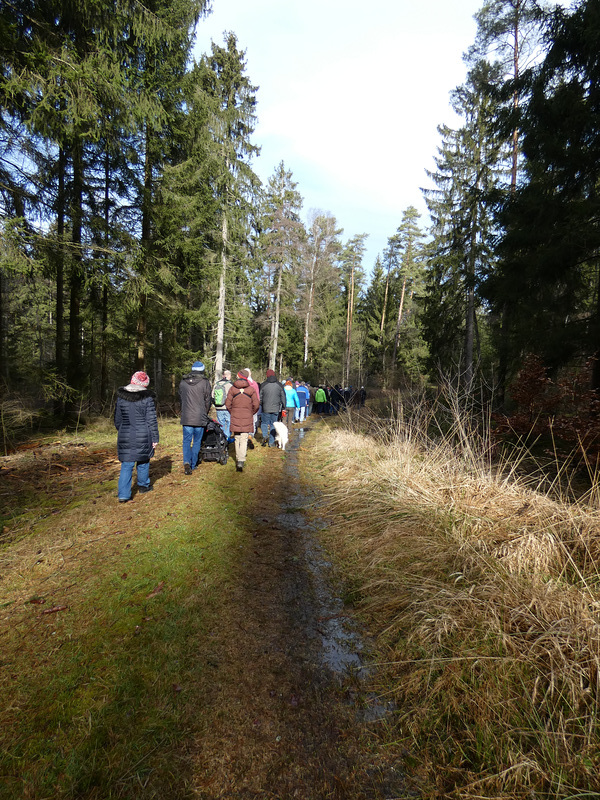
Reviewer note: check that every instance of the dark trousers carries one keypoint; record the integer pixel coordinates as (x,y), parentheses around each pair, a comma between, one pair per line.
(290,418)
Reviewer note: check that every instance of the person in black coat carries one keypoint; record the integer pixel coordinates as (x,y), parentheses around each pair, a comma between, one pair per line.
(272,399)
(137,434)
(196,398)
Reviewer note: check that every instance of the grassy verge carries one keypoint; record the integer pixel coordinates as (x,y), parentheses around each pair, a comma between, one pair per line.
(110,617)
(483,597)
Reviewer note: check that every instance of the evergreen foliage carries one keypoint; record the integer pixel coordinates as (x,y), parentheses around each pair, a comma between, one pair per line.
(136,234)
(461,253)
(549,266)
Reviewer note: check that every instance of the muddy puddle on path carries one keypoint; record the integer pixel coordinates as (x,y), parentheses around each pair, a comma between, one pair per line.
(343,649)
(289,713)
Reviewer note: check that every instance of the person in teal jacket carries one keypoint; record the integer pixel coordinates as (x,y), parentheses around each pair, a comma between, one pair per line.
(292,402)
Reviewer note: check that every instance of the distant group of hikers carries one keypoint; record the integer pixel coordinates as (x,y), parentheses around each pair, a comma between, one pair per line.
(239,404)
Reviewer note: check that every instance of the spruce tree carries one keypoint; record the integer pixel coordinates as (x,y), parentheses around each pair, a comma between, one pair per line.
(549,274)
(469,166)
(410,287)
(351,262)
(319,270)
(282,237)
(509,36)
(232,102)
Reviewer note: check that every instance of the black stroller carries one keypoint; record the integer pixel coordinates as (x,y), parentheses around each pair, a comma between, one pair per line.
(215,446)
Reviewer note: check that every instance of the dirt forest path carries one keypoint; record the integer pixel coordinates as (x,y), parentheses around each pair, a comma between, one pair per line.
(185,646)
(293,719)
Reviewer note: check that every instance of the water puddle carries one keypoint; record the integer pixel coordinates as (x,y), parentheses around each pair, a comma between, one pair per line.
(343,646)
(341,643)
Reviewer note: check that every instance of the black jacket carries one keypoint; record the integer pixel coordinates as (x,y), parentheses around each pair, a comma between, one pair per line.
(272,396)
(136,423)
(196,399)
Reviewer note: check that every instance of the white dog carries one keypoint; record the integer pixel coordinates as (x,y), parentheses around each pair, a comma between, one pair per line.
(281,434)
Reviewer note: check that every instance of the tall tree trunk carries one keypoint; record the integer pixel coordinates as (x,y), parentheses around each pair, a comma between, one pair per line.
(3,359)
(596,365)
(146,245)
(158,371)
(399,322)
(382,327)
(470,311)
(59,344)
(307,321)
(275,326)
(349,321)
(503,350)
(104,323)
(385,299)
(515,135)
(104,347)
(76,272)
(221,307)
(309,310)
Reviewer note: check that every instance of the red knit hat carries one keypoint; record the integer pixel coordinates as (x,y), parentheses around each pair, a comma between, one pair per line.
(270,373)
(140,379)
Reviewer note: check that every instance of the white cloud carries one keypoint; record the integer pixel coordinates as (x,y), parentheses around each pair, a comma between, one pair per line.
(350,96)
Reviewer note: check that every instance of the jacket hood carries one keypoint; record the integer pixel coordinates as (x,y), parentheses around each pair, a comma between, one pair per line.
(241,383)
(194,377)
(272,379)
(133,397)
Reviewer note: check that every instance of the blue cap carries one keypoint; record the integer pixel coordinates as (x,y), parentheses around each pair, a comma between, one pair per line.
(197,366)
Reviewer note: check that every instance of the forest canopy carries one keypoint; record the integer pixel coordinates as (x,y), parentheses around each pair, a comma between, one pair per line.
(135,233)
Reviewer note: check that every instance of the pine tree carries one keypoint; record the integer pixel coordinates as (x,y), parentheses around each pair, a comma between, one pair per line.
(509,37)
(391,260)
(283,233)
(461,253)
(351,261)
(319,270)
(85,79)
(232,124)
(549,267)
(411,281)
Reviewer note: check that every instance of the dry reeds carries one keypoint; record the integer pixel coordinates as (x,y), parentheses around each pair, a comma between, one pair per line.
(483,594)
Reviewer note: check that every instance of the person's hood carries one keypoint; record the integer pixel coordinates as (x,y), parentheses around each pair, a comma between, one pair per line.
(272,379)
(133,393)
(241,383)
(194,377)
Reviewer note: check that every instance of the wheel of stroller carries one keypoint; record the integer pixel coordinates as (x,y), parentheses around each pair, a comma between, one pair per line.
(223,458)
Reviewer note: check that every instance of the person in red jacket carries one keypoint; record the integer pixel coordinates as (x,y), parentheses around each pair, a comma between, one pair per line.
(256,387)
(242,403)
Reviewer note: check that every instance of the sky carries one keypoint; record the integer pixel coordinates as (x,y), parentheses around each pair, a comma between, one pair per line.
(350,95)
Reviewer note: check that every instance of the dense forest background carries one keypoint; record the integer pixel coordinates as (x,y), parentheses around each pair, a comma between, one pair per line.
(136,235)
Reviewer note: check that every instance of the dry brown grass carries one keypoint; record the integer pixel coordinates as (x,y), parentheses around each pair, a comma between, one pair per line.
(483,596)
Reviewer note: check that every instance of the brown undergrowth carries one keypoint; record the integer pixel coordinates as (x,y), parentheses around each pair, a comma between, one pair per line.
(482,595)
(159,648)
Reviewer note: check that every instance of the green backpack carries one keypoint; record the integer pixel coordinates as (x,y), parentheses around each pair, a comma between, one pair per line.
(219,394)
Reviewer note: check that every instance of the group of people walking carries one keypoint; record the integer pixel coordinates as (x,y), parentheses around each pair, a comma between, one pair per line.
(237,403)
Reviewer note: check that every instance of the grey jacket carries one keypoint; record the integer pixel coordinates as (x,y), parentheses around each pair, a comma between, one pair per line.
(272,396)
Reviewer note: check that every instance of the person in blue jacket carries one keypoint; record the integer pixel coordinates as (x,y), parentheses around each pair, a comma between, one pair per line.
(292,402)
(137,434)
(303,396)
